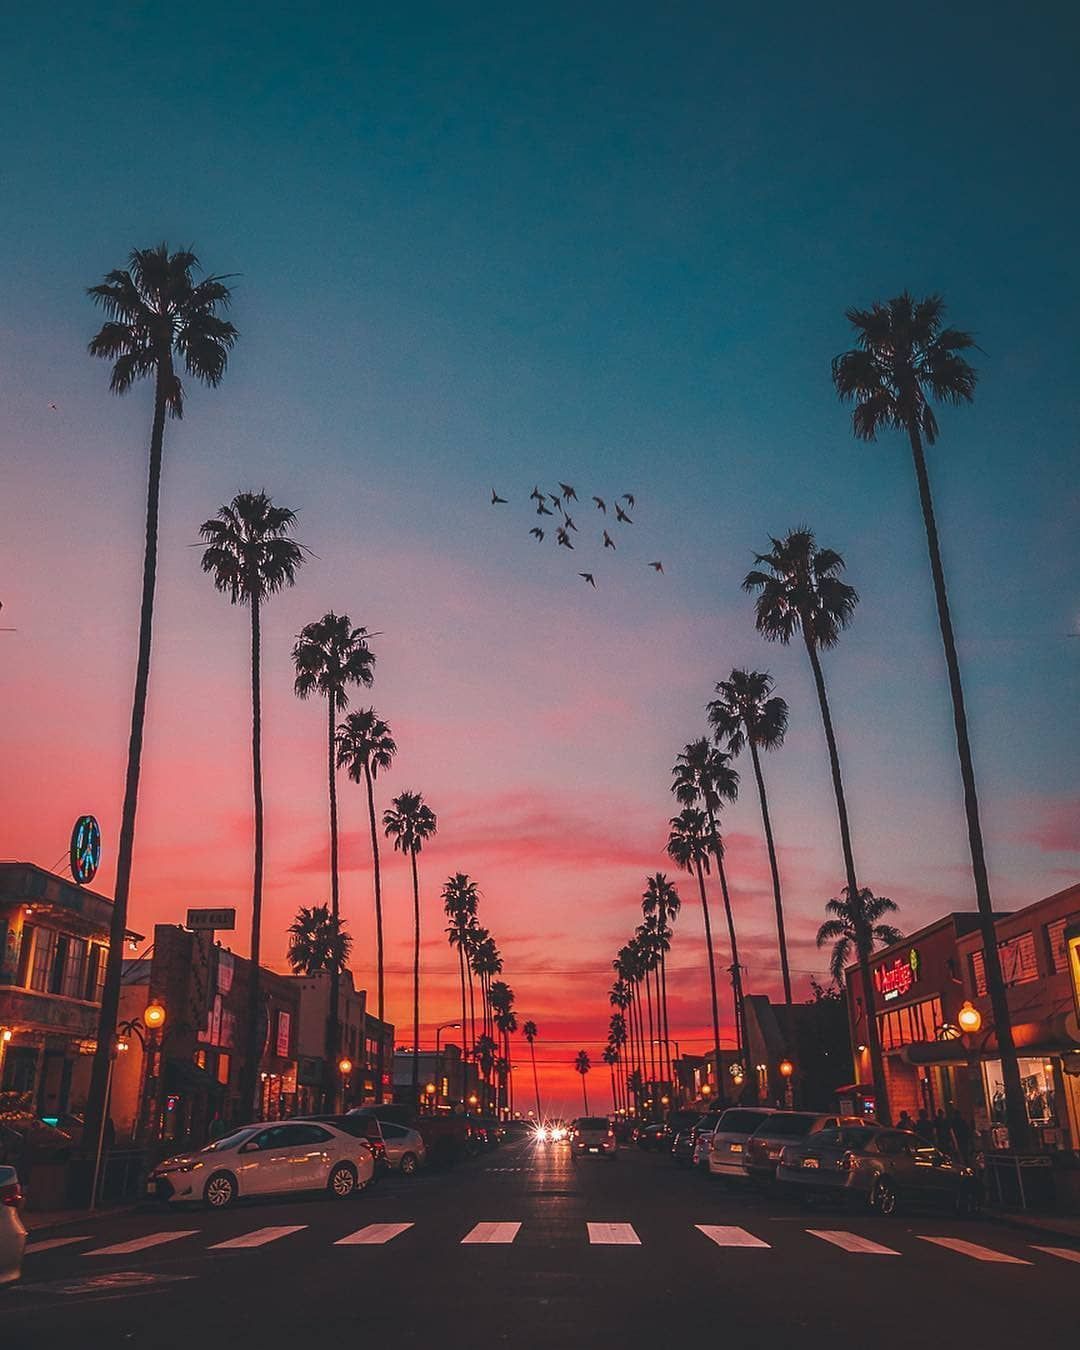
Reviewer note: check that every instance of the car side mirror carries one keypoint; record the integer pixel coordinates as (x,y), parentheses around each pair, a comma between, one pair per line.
(250,1147)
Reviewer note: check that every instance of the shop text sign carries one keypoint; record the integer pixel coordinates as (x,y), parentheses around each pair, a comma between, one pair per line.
(201,919)
(894,979)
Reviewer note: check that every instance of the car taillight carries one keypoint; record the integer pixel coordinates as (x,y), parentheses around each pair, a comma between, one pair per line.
(611,1134)
(11,1194)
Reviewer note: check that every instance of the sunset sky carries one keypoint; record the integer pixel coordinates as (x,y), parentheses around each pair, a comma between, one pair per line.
(479,248)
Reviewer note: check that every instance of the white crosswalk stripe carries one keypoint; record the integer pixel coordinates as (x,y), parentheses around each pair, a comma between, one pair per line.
(613,1235)
(259,1237)
(49,1243)
(141,1243)
(851,1242)
(494,1233)
(373,1235)
(1066,1253)
(729,1237)
(973,1250)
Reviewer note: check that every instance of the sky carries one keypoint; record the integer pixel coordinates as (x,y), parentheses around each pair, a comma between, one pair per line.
(494,246)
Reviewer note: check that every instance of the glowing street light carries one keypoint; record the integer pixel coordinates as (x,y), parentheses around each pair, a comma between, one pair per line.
(344,1067)
(786,1068)
(969,1018)
(154,1016)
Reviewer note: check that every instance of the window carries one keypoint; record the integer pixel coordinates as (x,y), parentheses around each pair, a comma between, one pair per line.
(74,974)
(916,1022)
(224,1060)
(44,956)
(25,948)
(1037,1083)
(97,959)
(1055,944)
(1018,963)
(199,1059)
(392,1131)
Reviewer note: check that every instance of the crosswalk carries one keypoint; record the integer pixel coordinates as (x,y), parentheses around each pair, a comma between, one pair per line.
(506,1232)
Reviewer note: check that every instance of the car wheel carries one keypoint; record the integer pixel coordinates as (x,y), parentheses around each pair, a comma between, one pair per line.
(219,1191)
(883,1198)
(341,1182)
(408,1164)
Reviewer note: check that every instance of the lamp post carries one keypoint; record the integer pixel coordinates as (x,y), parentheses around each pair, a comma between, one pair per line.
(153,1018)
(5,1037)
(119,1048)
(787,1070)
(443,1026)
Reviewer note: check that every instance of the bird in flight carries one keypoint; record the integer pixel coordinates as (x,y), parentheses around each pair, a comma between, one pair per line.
(563,538)
(537,532)
(569,523)
(620,514)
(657,566)
(496,500)
(53,407)
(628,498)
(608,541)
(601,505)
(556,499)
(536,494)
(541,509)
(588,576)
(568,492)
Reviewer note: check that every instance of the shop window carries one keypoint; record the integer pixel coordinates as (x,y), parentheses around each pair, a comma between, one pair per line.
(904,1026)
(1019,963)
(223,1062)
(199,1059)
(1037,1084)
(44,955)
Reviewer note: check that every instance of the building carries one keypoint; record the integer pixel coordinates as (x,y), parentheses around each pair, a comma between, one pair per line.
(811,1037)
(54,943)
(360,1037)
(452,1079)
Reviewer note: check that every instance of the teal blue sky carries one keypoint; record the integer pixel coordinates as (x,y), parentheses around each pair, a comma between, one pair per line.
(489,245)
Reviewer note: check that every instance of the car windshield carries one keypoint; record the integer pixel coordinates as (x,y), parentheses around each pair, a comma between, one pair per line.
(592,1123)
(787,1127)
(226,1141)
(741,1122)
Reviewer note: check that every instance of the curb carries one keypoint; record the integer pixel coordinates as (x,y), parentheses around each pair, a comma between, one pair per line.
(1044,1227)
(42,1222)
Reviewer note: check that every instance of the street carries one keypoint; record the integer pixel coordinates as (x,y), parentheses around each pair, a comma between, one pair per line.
(635,1252)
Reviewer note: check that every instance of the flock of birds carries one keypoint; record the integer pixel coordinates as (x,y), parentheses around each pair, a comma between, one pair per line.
(562,522)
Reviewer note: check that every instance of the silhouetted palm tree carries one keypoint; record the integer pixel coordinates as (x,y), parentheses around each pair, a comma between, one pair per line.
(530,1033)
(620,999)
(502,1002)
(744,714)
(800,592)
(661,898)
(648,960)
(251,555)
(318,944)
(364,746)
(409,822)
(905,357)
(610,1057)
(849,919)
(582,1066)
(690,846)
(157,315)
(461,899)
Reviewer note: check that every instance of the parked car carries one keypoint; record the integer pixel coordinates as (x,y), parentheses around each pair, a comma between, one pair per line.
(367,1128)
(703,1133)
(656,1138)
(406,1151)
(266,1159)
(728,1145)
(448,1136)
(592,1134)
(871,1167)
(763,1148)
(12,1232)
(683,1146)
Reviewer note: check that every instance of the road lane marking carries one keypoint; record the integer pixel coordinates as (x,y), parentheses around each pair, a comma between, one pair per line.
(53,1242)
(140,1244)
(851,1242)
(373,1235)
(258,1237)
(1066,1253)
(973,1249)
(495,1233)
(613,1235)
(729,1237)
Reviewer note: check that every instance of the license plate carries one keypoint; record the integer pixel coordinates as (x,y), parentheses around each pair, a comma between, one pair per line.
(774,1153)
(594,1150)
(735,1148)
(810,1162)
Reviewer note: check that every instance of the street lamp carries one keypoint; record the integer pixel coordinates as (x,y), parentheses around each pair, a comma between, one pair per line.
(786,1070)
(153,1017)
(969,1018)
(438,1056)
(119,1047)
(344,1067)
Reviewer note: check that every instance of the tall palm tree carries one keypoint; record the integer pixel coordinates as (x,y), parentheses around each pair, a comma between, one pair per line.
(690,846)
(486,963)
(661,898)
(617,1041)
(477,937)
(157,316)
(610,1057)
(251,555)
(410,822)
(747,713)
(620,999)
(647,960)
(703,774)
(364,746)
(530,1033)
(329,655)
(461,899)
(850,917)
(318,944)
(582,1066)
(800,592)
(506,1023)
(903,359)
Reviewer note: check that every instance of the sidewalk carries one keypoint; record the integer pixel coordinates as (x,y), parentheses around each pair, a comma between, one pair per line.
(1054,1225)
(37,1220)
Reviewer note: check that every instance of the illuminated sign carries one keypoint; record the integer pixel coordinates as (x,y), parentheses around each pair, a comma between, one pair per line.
(896,978)
(211,919)
(85,850)
(284,1026)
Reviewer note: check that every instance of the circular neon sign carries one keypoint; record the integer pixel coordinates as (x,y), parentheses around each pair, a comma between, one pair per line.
(85,849)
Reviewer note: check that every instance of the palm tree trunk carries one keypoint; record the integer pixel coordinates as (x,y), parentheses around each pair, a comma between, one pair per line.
(333,1031)
(464,1019)
(720,1095)
(1015,1108)
(472,1009)
(873,1034)
(777,900)
(729,915)
(97,1106)
(651,1052)
(250,1075)
(666,1033)
(585,1094)
(614,1094)
(536,1081)
(416,981)
(380,1054)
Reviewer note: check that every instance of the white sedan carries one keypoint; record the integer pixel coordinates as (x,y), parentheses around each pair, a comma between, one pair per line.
(266,1160)
(12,1232)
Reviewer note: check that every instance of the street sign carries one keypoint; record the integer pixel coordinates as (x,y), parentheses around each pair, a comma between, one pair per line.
(202,919)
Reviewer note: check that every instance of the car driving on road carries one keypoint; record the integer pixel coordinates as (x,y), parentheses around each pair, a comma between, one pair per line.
(12,1231)
(266,1159)
(592,1134)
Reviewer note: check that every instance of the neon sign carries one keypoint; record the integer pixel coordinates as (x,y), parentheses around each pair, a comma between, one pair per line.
(85,849)
(896,978)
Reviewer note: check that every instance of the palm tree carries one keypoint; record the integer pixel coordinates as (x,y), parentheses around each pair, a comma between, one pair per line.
(850,917)
(617,1037)
(318,943)
(703,774)
(610,1057)
(647,960)
(329,655)
(157,314)
(620,999)
(461,899)
(800,591)
(744,714)
(530,1033)
(486,963)
(364,746)
(582,1066)
(904,357)
(409,822)
(690,846)
(661,898)
(251,555)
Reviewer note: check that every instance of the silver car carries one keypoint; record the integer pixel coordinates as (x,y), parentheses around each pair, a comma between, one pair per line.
(728,1147)
(12,1232)
(405,1149)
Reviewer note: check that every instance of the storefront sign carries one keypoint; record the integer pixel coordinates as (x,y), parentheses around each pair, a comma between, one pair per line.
(85,853)
(284,1026)
(214,919)
(896,978)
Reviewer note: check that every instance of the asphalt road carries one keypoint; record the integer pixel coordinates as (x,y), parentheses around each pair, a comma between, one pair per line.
(606,1254)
